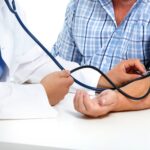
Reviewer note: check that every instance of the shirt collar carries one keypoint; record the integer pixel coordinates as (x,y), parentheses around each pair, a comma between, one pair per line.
(105,2)
(108,6)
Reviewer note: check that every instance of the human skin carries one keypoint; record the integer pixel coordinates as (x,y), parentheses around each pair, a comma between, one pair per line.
(57,85)
(63,79)
(113,101)
(121,9)
(125,71)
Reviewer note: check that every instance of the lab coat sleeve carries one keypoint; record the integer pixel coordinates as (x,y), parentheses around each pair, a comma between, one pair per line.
(20,101)
(30,99)
(33,71)
(24,101)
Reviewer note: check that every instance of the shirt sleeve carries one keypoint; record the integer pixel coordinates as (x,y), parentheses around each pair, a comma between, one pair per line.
(19,102)
(65,45)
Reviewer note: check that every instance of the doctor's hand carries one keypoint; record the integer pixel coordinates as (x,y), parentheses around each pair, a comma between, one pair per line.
(124,72)
(57,85)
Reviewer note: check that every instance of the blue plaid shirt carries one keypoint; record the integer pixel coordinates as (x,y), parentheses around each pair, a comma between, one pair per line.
(91,36)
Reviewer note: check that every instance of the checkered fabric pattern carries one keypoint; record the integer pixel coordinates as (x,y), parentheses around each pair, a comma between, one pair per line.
(90,35)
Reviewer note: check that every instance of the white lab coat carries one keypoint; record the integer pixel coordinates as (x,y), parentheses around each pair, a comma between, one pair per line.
(27,64)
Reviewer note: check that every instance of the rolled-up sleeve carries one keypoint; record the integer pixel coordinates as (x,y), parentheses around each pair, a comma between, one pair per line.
(65,45)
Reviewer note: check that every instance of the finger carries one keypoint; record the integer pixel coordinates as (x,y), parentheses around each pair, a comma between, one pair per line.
(129,77)
(101,97)
(104,110)
(140,67)
(88,103)
(76,100)
(105,101)
(81,105)
(93,108)
(68,81)
(136,65)
(64,73)
(106,106)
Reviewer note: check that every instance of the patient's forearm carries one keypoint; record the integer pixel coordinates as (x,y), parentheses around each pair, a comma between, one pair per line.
(136,89)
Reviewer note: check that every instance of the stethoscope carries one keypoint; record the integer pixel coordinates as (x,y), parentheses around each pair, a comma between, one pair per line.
(13,10)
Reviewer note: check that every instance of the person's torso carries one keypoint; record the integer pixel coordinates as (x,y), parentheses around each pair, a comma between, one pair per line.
(102,43)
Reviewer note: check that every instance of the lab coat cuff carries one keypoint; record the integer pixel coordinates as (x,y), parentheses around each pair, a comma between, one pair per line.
(27,101)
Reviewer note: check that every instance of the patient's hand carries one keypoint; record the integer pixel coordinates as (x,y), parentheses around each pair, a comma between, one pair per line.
(98,106)
(123,72)
(108,101)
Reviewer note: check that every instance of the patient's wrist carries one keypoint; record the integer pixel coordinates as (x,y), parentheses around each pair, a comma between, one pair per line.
(127,104)
(103,83)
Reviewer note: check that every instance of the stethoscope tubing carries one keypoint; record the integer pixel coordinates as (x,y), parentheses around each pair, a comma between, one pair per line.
(13,10)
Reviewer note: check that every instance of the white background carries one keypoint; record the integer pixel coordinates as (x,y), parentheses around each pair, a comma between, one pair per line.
(45,18)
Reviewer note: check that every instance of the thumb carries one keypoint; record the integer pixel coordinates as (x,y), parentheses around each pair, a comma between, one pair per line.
(130,77)
(104,101)
(108,97)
